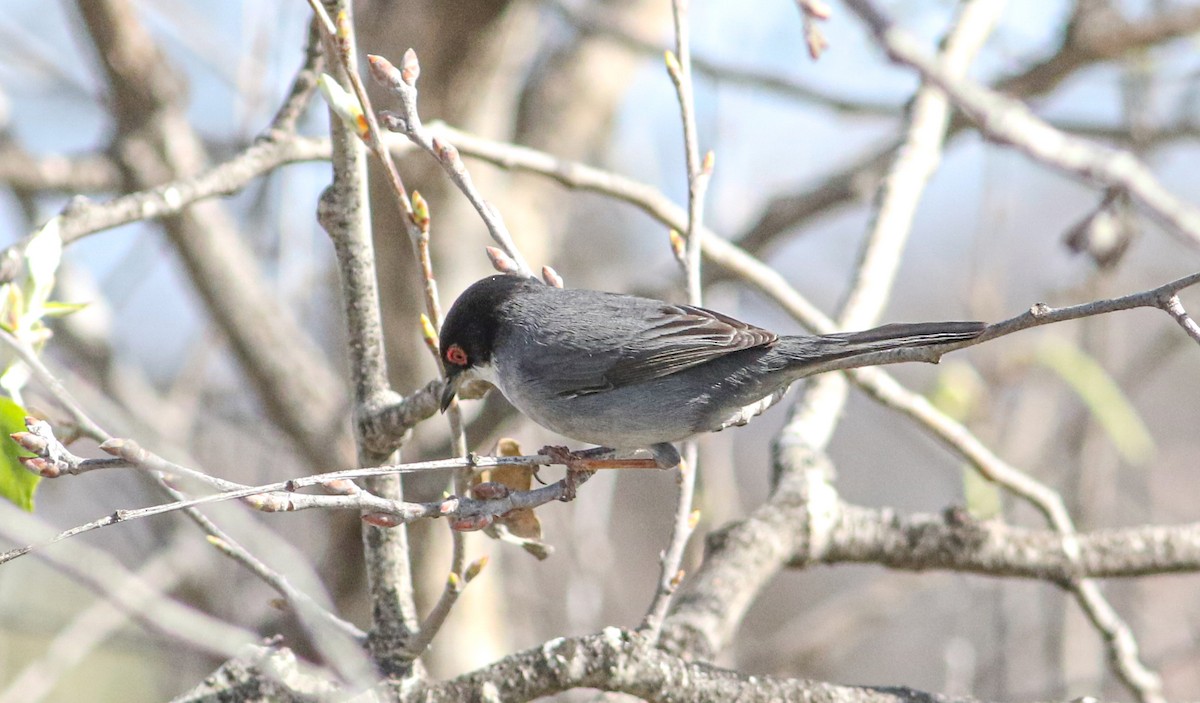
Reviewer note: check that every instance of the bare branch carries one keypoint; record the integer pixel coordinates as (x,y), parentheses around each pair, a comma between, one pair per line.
(620,661)
(344,212)
(1010,122)
(106,575)
(93,626)
(1104,40)
(155,144)
(403,83)
(56,173)
(1175,309)
(596,20)
(466,512)
(679,68)
(956,542)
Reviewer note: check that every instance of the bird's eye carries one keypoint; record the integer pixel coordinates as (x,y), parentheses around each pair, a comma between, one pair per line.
(455,355)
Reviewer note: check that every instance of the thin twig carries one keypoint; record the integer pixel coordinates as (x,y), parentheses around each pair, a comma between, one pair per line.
(915,163)
(455,508)
(158,468)
(456,580)
(304,84)
(900,191)
(679,67)
(89,629)
(1009,121)
(105,574)
(296,599)
(600,20)
(344,212)
(403,83)
(462,510)
(1175,309)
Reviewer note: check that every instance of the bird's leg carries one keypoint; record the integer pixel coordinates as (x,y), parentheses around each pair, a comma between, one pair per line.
(572,481)
(666,456)
(598,458)
(576,474)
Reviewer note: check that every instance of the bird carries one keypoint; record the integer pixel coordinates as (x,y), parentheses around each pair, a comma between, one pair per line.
(628,373)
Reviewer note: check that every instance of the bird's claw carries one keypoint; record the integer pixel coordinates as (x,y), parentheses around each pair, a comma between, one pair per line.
(572,481)
(598,458)
(559,455)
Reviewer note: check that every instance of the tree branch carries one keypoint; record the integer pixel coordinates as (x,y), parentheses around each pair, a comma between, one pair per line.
(619,661)
(155,144)
(1010,122)
(956,542)
(1105,40)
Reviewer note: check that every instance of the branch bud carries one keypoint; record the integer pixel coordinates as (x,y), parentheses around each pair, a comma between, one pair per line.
(39,466)
(551,277)
(381,519)
(673,67)
(342,24)
(341,486)
(218,543)
(678,246)
(126,449)
(475,568)
(31,442)
(446,152)
(384,73)
(472,523)
(816,9)
(344,105)
(489,490)
(501,262)
(429,334)
(410,68)
(420,213)
(393,122)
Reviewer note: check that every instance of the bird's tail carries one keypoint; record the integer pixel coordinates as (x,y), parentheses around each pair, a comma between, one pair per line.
(908,334)
(834,351)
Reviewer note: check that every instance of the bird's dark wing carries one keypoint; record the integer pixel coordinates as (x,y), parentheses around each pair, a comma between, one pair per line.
(673,338)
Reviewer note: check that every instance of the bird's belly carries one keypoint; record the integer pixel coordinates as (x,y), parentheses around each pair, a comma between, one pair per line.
(622,418)
(665,410)
(617,422)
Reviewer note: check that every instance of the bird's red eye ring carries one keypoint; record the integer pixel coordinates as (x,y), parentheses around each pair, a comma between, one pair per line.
(455,355)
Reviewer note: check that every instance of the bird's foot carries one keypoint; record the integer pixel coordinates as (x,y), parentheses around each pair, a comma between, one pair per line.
(598,458)
(578,470)
(666,456)
(572,481)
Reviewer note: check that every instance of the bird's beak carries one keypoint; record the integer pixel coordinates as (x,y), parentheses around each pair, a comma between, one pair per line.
(449,391)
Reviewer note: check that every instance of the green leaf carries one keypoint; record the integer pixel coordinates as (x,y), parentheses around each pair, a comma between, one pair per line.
(43,254)
(1103,398)
(16,482)
(55,308)
(345,105)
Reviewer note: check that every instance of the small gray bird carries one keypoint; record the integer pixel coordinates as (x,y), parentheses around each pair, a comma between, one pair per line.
(630,373)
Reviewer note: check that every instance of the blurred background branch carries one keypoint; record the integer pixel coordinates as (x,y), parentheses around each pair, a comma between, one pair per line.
(230,335)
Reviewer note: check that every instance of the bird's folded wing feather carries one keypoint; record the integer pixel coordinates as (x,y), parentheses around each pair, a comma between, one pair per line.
(673,338)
